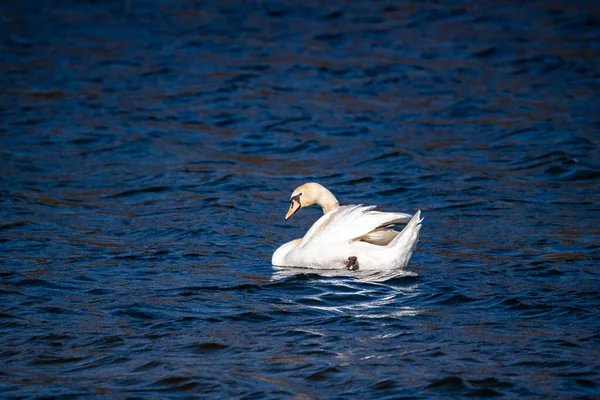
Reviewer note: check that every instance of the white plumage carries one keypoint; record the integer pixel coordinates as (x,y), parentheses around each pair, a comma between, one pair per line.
(348,231)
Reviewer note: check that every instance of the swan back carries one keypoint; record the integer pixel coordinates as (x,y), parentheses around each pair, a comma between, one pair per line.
(350,223)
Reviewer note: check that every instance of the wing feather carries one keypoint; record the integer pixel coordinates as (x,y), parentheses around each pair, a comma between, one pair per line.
(349,223)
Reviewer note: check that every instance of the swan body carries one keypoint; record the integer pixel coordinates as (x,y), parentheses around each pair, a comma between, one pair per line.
(345,232)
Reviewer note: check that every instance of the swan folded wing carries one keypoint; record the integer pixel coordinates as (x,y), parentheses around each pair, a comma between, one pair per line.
(353,222)
(397,218)
(380,236)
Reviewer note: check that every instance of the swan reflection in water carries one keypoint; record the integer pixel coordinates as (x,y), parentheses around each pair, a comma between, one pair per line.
(362,294)
(281,273)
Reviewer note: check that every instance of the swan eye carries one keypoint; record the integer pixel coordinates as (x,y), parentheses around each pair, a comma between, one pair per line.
(295,198)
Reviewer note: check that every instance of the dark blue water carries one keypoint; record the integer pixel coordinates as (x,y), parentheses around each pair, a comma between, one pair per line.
(148,150)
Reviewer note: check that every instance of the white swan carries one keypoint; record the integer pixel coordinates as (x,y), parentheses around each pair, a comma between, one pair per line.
(350,236)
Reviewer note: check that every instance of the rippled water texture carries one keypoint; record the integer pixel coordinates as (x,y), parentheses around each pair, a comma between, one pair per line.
(148,150)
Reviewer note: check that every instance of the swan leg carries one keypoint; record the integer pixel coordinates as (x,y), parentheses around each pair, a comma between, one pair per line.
(352,263)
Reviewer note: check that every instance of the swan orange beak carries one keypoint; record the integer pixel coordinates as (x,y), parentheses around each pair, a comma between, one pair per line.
(294,206)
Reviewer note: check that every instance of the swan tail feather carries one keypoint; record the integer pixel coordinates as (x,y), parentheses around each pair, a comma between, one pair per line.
(405,243)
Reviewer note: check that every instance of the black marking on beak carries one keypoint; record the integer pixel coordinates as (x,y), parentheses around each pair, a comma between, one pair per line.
(297,199)
(293,209)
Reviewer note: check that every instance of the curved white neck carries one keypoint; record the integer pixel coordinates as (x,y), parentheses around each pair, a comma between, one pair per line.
(326,200)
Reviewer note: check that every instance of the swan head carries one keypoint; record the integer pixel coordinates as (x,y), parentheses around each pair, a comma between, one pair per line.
(308,194)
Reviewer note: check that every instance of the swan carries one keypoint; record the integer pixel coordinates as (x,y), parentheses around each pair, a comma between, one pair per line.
(352,236)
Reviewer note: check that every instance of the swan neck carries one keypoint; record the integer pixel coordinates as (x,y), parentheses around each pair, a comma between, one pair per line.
(327,201)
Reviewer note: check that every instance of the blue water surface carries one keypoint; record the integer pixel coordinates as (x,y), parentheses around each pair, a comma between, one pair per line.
(148,150)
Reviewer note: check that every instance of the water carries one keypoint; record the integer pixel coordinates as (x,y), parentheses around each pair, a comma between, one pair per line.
(148,150)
